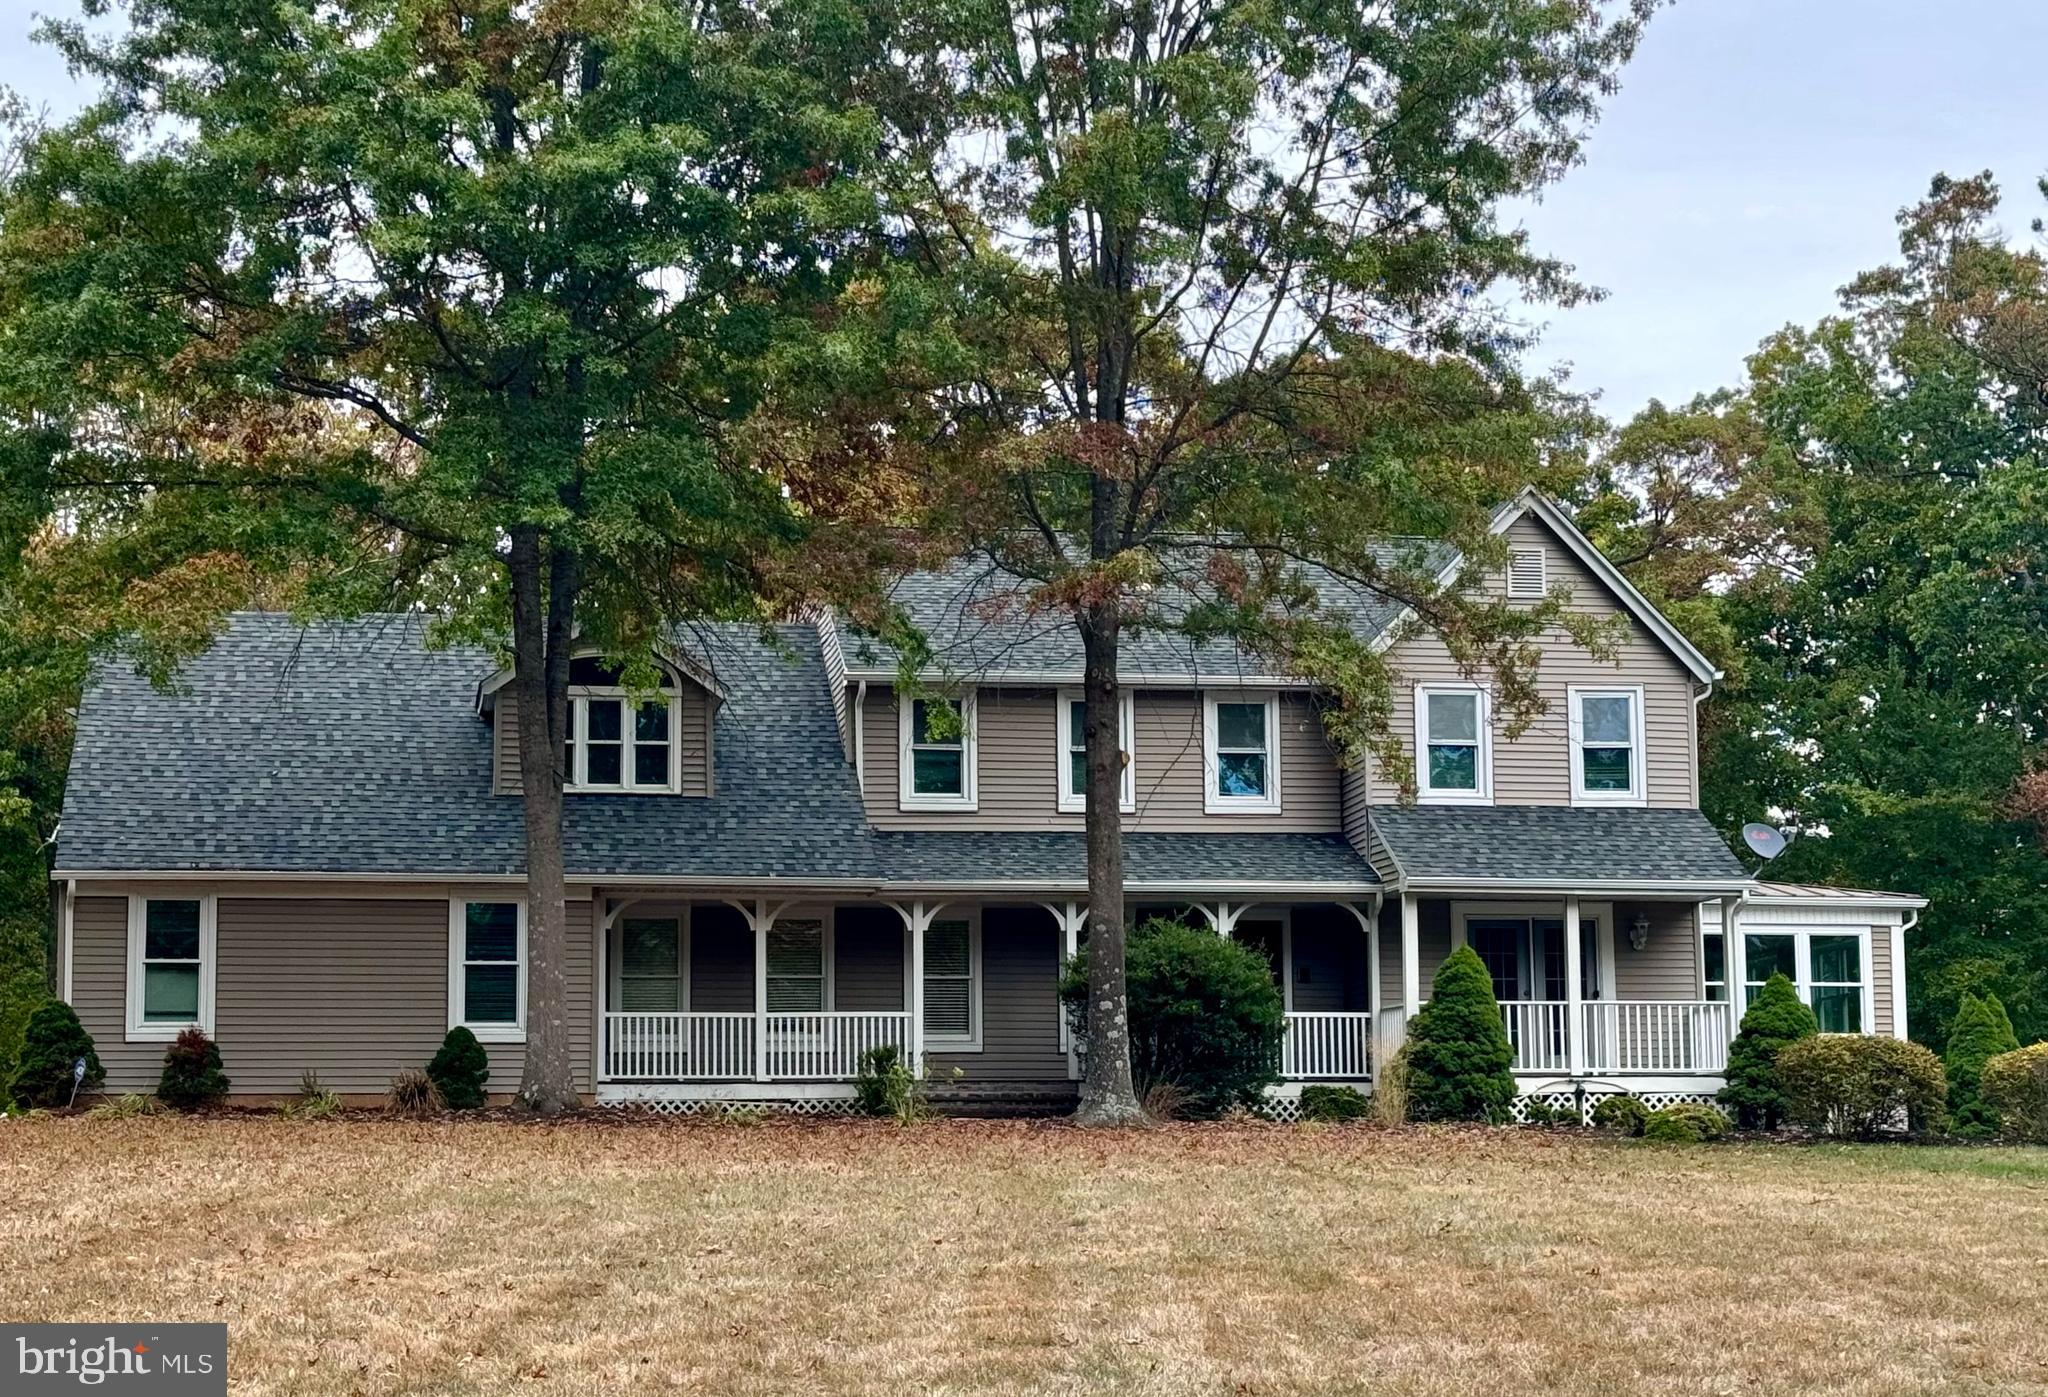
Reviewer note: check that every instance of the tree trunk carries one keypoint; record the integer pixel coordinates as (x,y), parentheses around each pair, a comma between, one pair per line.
(1107,1095)
(542,632)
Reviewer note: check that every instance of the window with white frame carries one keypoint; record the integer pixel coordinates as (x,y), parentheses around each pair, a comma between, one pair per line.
(938,754)
(170,966)
(1454,748)
(1607,746)
(1827,967)
(1714,965)
(952,983)
(1073,754)
(1241,752)
(650,965)
(487,968)
(796,966)
(616,743)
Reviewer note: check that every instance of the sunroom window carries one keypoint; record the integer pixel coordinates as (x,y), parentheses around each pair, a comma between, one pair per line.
(1828,968)
(1454,758)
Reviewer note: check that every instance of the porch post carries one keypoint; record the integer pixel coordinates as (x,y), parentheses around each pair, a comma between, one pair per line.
(919,920)
(1734,962)
(1411,957)
(1069,916)
(1574,991)
(762,921)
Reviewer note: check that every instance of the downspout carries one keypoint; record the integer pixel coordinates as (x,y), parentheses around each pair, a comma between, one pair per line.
(1697,699)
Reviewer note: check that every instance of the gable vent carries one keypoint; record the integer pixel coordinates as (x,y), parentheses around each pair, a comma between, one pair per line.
(1525,573)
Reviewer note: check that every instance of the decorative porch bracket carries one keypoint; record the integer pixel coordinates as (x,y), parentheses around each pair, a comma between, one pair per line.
(1224,915)
(1070,916)
(760,915)
(917,920)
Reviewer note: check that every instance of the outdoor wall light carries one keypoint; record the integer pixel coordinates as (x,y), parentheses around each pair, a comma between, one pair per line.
(1639,932)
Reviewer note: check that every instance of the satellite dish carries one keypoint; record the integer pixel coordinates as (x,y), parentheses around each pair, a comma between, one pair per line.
(1765,841)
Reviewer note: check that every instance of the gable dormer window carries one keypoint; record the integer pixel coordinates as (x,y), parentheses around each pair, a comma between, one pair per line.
(936,753)
(619,741)
(1527,580)
(1454,746)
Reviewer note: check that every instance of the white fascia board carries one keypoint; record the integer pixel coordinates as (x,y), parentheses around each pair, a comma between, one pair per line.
(1680,889)
(1053,678)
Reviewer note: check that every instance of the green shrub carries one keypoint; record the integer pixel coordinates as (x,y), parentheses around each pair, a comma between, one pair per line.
(21,994)
(52,1042)
(1539,1112)
(314,1101)
(2015,1085)
(1623,1114)
(1980,1032)
(125,1107)
(885,1085)
(460,1070)
(1327,1103)
(1685,1123)
(1753,1091)
(1849,1084)
(1459,1057)
(1205,1015)
(413,1093)
(192,1073)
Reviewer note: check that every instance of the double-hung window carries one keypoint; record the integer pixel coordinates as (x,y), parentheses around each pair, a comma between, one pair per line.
(1454,746)
(796,967)
(937,746)
(1241,752)
(618,744)
(170,966)
(952,984)
(1829,968)
(1607,746)
(650,965)
(487,968)
(1073,755)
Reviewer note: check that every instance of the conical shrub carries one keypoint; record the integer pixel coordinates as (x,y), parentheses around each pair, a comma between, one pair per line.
(1459,1059)
(1981,1031)
(1754,1090)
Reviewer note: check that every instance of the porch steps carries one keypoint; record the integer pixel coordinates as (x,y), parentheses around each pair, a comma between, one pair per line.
(988,1100)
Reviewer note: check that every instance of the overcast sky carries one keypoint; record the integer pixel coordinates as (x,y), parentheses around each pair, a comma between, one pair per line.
(1751,164)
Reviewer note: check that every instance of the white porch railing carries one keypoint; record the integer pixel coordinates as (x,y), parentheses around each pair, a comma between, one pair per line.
(722,1047)
(1327,1047)
(1621,1035)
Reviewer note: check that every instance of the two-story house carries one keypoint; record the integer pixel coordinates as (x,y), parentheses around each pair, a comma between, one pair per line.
(312,849)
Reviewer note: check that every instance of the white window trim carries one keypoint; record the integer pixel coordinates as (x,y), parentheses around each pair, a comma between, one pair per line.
(1215,804)
(1069,802)
(579,704)
(828,952)
(956,1043)
(908,799)
(137,1030)
(514,1032)
(1638,792)
(1424,792)
(1802,965)
(615,950)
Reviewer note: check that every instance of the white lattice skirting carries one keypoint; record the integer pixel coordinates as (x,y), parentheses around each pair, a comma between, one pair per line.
(1564,1100)
(684,1106)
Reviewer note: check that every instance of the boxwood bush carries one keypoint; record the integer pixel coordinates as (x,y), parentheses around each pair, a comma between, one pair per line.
(1328,1103)
(1849,1084)
(1205,1014)
(1685,1123)
(1624,1114)
(2016,1086)
(1460,1063)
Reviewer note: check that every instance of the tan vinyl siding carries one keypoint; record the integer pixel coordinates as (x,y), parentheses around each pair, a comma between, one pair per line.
(1881,979)
(1017,740)
(1668,965)
(694,715)
(1020,1037)
(868,960)
(352,988)
(1433,919)
(1535,768)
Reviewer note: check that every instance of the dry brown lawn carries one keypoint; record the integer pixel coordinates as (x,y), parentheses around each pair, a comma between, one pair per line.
(377,1257)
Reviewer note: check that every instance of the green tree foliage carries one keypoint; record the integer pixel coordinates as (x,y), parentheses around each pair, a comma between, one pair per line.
(1754,1091)
(51,1046)
(1866,515)
(1224,282)
(461,1070)
(475,307)
(1861,1085)
(1979,1032)
(192,1075)
(1460,1063)
(1206,1016)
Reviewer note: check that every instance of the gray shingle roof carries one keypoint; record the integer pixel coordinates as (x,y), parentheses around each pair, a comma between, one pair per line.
(975,619)
(1061,857)
(353,748)
(1547,843)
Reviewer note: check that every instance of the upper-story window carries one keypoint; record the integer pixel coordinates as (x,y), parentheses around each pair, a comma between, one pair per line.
(1454,744)
(1241,752)
(1607,746)
(938,755)
(617,741)
(1073,755)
